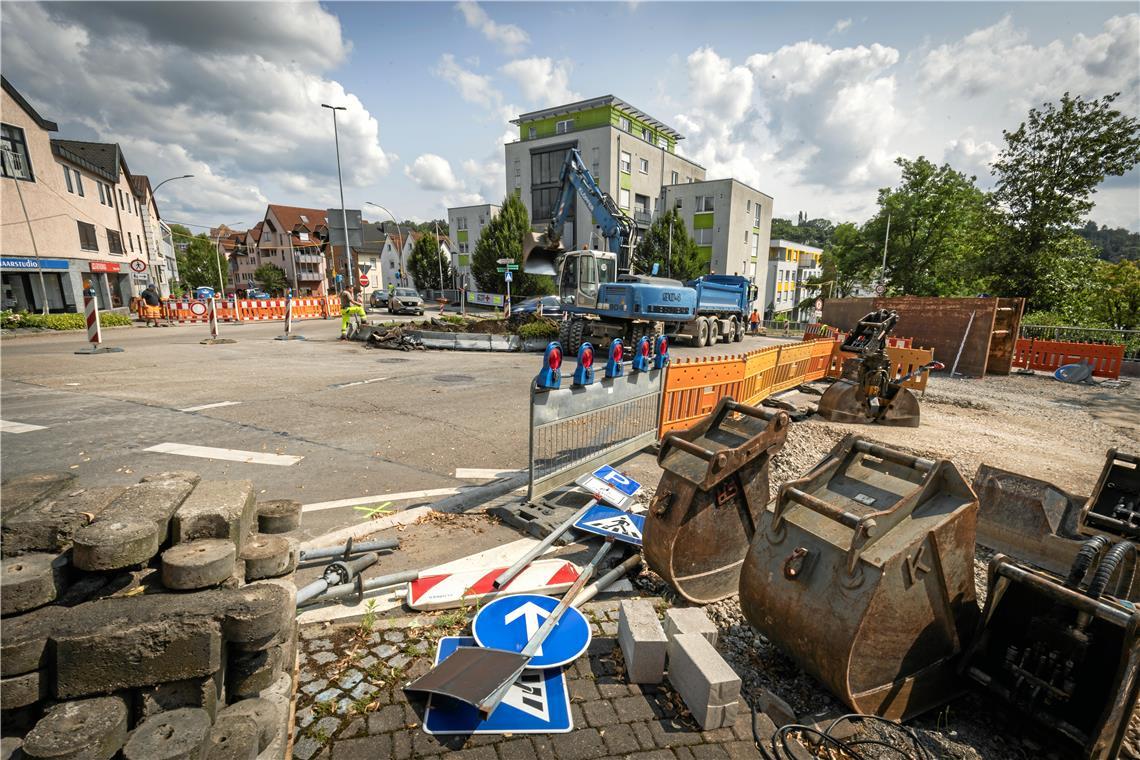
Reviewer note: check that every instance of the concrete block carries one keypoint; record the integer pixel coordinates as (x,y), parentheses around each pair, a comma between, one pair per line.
(23,491)
(21,691)
(203,693)
(278,516)
(250,673)
(269,556)
(689,620)
(154,500)
(259,615)
(190,477)
(30,581)
(114,544)
(11,748)
(198,564)
(50,524)
(234,737)
(23,641)
(141,654)
(217,509)
(174,735)
(642,641)
(263,712)
(87,729)
(702,678)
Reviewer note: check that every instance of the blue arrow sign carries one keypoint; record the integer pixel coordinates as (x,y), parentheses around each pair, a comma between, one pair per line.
(607,521)
(509,622)
(537,703)
(508,276)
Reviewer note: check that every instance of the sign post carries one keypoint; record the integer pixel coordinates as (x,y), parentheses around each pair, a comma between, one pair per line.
(94,329)
(288,335)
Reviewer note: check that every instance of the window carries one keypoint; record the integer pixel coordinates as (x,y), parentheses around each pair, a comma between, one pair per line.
(746,236)
(641,204)
(532,132)
(677,205)
(460,222)
(623,124)
(463,247)
(101,198)
(16,163)
(114,242)
(87,239)
(518,169)
(623,198)
(748,206)
(646,134)
(674,178)
(67,179)
(121,204)
(662,143)
(564,126)
(704,203)
(757,223)
(131,242)
(643,165)
(703,236)
(624,163)
(79,183)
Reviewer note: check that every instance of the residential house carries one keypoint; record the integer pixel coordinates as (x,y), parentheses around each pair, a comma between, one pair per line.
(294,239)
(791,266)
(162,265)
(395,255)
(465,227)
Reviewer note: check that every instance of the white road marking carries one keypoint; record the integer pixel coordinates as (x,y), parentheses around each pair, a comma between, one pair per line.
(358,382)
(479,473)
(209,406)
(232,455)
(378,498)
(18,427)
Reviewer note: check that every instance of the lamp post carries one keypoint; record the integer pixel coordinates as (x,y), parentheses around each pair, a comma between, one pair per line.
(340,182)
(154,189)
(218,252)
(399,234)
(153,195)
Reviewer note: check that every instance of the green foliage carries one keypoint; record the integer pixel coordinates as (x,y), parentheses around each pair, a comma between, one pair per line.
(502,238)
(10,319)
(270,277)
(544,329)
(1118,301)
(428,228)
(817,232)
(425,263)
(683,261)
(453,319)
(1114,244)
(198,264)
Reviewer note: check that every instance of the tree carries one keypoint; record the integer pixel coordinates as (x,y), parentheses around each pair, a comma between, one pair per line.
(1114,244)
(198,265)
(1117,301)
(426,262)
(271,278)
(847,261)
(816,232)
(1046,174)
(502,238)
(683,260)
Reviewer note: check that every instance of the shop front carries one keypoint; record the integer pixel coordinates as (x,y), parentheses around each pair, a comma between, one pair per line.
(28,282)
(112,285)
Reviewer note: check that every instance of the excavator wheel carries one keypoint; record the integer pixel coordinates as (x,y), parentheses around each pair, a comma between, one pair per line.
(570,335)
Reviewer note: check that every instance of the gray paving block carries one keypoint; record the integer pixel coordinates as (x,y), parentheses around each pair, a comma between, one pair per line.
(642,640)
(115,544)
(260,615)
(154,500)
(263,712)
(216,509)
(86,729)
(278,516)
(174,735)
(233,738)
(23,643)
(702,678)
(30,581)
(250,673)
(689,620)
(190,477)
(204,693)
(49,524)
(198,564)
(23,690)
(269,556)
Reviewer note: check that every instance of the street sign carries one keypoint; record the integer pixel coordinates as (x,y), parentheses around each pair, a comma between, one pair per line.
(510,622)
(445,590)
(508,268)
(818,304)
(508,277)
(537,703)
(364,281)
(198,309)
(138,265)
(613,523)
(614,487)
(504,261)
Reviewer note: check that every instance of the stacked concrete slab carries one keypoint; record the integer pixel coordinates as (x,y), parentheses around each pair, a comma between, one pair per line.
(146,621)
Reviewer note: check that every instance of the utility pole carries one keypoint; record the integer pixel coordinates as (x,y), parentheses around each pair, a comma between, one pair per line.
(886,239)
(293,263)
(669,250)
(11,167)
(349,273)
(439,256)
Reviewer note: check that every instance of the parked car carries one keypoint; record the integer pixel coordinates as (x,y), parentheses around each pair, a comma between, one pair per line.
(551,307)
(406,301)
(378,299)
(203,293)
(257,293)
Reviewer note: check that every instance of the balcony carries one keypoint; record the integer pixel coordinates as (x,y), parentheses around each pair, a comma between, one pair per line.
(309,258)
(309,276)
(642,218)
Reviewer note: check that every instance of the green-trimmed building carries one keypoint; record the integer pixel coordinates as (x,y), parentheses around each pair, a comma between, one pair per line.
(464,226)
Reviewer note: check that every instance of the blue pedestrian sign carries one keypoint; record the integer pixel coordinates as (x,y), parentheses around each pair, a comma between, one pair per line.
(510,622)
(537,703)
(613,523)
(614,488)
(508,276)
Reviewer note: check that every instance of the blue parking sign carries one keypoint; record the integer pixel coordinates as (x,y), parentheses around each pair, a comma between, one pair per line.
(537,703)
(612,523)
(611,486)
(617,480)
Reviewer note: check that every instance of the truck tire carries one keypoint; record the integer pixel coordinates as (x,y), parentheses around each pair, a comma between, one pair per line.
(737,330)
(570,335)
(714,331)
(702,330)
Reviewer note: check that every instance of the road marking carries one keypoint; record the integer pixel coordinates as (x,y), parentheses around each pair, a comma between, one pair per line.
(358,382)
(231,455)
(7,426)
(404,496)
(371,511)
(209,406)
(479,473)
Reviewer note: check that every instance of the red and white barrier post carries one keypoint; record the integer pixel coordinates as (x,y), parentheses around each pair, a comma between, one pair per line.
(214,339)
(94,329)
(289,321)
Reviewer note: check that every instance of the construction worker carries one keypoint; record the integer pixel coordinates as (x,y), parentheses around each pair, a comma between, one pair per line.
(151,305)
(350,306)
(754,321)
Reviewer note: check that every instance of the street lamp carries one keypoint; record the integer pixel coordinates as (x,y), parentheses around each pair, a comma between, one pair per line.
(218,252)
(154,189)
(340,182)
(400,251)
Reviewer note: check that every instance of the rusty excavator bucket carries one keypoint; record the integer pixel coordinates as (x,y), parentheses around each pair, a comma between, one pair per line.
(856,399)
(540,253)
(864,575)
(710,498)
(1114,508)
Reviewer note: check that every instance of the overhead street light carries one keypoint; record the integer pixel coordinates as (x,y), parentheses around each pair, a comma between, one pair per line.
(218,257)
(340,181)
(399,233)
(154,189)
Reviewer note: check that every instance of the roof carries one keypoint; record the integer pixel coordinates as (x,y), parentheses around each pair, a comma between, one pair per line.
(604,100)
(794,244)
(44,124)
(695,184)
(255,231)
(477,205)
(298,216)
(102,159)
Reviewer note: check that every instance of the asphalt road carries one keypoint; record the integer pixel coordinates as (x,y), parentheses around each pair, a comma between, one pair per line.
(364,422)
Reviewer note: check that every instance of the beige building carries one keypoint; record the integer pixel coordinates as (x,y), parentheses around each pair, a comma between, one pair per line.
(293,239)
(69,212)
(790,267)
(465,226)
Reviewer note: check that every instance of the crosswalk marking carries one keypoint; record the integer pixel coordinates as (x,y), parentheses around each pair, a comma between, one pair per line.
(7,426)
(231,455)
(209,406)
(402,496)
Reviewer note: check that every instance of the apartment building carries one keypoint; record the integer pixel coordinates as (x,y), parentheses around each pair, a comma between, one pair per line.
(730,221)
(790,267)
(294,239)
(631,155)
(69,212)
(465,226)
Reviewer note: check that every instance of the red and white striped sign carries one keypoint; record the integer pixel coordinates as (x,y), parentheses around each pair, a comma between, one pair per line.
(91,311)
(437,592)
(213,319)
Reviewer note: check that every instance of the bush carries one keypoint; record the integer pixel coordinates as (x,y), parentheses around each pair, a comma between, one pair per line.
(453,319)
(544,330)
(10,319)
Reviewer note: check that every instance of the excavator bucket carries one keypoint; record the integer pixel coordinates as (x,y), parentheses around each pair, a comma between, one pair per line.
(864,574)
(1065,656)
(1114,507)
(846,402)
(539,256)
(710,497)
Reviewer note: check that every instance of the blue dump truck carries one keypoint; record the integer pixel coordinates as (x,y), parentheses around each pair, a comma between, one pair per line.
(722,305)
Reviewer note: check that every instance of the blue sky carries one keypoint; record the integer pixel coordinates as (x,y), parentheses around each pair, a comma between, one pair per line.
(809,102)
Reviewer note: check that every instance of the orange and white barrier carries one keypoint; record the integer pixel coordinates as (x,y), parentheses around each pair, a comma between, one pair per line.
(250,309)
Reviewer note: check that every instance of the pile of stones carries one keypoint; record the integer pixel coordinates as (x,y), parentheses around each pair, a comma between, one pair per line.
(150,622)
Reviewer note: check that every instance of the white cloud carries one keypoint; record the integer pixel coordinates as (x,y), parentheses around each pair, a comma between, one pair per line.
(971,156)
(543,81)
(841,26)
(509,37)
(472,87)
(432,172)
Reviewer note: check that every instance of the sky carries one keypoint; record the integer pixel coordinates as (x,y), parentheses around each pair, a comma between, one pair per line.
(810,103)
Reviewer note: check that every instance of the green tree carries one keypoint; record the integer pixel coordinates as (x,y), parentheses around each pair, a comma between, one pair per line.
(426,262)
(502,238)
(817,232)
(846,262)
(1046,175)
(1114,244)
(271,278)
(1117,301)
(198,265)
(683,260)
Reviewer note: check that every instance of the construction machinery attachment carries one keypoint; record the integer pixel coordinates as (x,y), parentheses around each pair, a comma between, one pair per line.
(1114,507)
(867,391)
(710,498)
(864,574)
(540,253)
(1063,650)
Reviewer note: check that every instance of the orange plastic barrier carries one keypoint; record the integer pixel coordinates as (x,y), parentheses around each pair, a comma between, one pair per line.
(186,310)
(1048,355)
(904,360)
(816,330)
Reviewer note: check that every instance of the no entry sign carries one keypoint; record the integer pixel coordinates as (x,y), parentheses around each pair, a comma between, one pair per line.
(363,280)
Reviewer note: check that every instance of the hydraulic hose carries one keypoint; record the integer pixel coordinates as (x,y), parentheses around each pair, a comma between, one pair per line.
(1125,552)
(1087,555)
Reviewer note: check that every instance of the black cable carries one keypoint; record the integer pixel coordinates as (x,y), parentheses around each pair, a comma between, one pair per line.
(782,735)
(777,748)
(1089,552)
(1124,551)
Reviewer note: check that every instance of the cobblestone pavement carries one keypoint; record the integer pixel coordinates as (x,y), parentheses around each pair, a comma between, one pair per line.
(350,703)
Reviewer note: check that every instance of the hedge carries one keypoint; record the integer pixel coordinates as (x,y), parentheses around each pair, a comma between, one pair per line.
(9,319)
(539,329)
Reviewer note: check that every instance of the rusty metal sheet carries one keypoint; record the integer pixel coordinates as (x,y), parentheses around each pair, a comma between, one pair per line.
(712,491)
(863,573)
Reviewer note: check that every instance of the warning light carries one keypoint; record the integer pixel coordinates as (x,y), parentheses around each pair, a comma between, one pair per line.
(661,357)
(613,366)
(550,376)
(584,372)
(641,355)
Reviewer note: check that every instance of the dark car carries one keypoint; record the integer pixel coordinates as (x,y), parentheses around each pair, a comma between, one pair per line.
(551,307)
(378,299)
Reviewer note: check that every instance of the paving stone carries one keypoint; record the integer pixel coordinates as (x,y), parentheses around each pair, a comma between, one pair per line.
(306,747)
(10,748)
(50,524)
(319,644)
(401,746)
(703,679)
(775,708)
(386,719)
(363,748)
(620,739)
(94,729)
(742,728)
(344,706)
(367,662)
(278,516)
(23,690)
(304,716)
(644,735)
(174,735)
(683,753)
(326,726)
(260,615)
(363,689)
(249,673)
(313,687)
(216,509)
(350,679)
(323,658)
(198,564)
(689,620)
(30,581)
(582,690)
(742,750)
(394,637)
(234,737)
(353,729)
(115,544)
(665,734)
(203,693)
(643,642)
(609,628)
(657,754)
(581,744)
(154,500)
(399,661)
(475,753)
(631,709)
(765,727)
(611,688)
(708,752)
(269,556)
(328,695)
(517,749)
(599,713)
(263,712)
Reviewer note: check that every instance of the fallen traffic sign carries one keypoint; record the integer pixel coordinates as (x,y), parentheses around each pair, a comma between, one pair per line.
(446,590)
(613,523)
(509,622)
(613,487)
(537,703)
